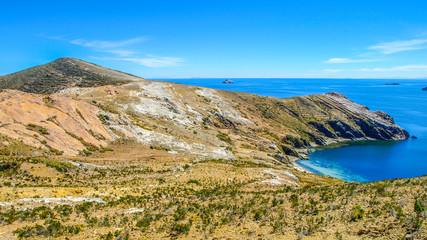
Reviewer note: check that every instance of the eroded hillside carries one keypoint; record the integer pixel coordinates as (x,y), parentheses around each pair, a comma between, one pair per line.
(202,122)
(51,123)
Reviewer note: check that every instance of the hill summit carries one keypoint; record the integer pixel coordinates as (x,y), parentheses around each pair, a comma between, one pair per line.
(64,73)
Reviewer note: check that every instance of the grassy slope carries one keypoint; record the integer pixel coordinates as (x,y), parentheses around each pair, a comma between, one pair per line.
(180,198)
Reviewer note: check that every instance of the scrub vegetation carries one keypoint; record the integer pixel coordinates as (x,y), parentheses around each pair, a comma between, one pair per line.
(170,199)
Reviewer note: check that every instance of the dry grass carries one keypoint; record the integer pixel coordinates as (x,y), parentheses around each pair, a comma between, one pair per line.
(159,195)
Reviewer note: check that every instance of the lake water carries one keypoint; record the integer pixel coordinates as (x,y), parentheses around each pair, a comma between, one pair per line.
(361,162)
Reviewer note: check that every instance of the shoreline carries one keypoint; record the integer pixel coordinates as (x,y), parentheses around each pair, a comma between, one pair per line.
(300,168)
(337,144)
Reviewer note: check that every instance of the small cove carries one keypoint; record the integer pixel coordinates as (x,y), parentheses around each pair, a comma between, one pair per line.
(361,161)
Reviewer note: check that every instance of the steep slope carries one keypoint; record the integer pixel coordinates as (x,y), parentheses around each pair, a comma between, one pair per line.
(63,73)
(186,119)
(201,122)
(51,123)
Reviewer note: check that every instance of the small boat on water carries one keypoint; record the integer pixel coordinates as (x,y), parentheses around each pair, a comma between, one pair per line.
(228,81)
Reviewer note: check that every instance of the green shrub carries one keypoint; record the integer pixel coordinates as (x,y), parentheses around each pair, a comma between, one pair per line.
(8,166)
(194,181)
(357,213)
(37,128)
(51,228)
(144,222)
(180,228)
(224,137)
(103,118)
(294,200)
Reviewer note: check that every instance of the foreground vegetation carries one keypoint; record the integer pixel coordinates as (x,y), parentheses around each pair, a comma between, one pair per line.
(177,198)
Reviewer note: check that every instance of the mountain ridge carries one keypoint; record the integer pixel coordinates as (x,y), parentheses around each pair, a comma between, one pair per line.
(64,73)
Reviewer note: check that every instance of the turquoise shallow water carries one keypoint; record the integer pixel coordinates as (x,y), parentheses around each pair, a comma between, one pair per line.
(361,162)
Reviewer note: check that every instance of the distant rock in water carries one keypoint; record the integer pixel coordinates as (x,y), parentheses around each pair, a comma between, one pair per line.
(414,137)
(392,84)
(228,81)
(425,89)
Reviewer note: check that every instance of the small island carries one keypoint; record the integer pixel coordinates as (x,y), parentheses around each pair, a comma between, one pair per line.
(392,84)
(228,81)
(424,89)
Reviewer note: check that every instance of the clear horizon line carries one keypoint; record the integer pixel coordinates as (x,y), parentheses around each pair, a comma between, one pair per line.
(397,78)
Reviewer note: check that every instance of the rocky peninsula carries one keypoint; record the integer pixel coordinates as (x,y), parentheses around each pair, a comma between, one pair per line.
(126,157)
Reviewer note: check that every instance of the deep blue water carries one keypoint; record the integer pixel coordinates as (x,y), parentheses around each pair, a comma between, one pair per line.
(372,161)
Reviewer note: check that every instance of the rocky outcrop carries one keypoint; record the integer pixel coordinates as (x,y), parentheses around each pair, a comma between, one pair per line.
(296,142)
(424,89)
(289,151)
(344,130)
(375,125)
(322,129)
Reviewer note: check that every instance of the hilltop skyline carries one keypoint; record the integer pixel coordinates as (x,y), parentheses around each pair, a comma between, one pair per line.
(232,39)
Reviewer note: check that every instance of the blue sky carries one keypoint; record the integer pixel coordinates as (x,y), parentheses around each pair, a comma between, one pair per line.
(230,39)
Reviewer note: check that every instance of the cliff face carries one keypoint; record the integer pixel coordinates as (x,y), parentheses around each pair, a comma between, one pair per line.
(201,122)
(376,125)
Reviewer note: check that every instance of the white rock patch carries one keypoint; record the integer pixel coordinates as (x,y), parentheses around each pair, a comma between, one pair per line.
(280,178)
(3,204)
(62,199)
(87,165)
(134,210)
(147,137)
(223,107)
